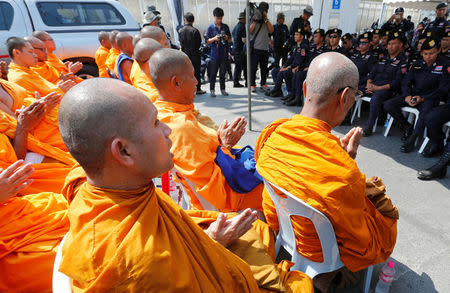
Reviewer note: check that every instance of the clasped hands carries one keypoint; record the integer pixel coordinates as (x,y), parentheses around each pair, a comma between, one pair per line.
(230,133)
(350,142)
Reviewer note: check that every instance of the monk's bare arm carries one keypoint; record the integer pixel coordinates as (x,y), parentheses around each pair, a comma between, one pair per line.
(126,68)
(14,179)
(6,109)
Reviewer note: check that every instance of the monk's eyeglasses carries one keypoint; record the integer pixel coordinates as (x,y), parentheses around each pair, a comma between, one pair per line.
(40,49)
(358,93)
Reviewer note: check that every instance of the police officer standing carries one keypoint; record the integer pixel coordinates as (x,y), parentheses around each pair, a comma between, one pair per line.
(296,62)
(240,61)
(422,88)
(190,41)
(280,37)
(385,78)
(397,22)
(302,22)
(439,25)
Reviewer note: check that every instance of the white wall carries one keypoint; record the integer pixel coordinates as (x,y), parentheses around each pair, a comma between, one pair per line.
(345,18)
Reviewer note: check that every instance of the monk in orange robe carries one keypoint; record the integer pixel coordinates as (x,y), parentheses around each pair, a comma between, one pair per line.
(124,62)
(68,68)
(143,241)
(302,156)
(202,155)
(102,53)
(20,72)
(114,53)
(31,230)
(13,97)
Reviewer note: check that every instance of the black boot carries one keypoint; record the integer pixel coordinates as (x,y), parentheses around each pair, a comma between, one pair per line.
(438,170)
(432,150)
(275,92)
(407,131)
(295,101)
(367,131)
(409,144)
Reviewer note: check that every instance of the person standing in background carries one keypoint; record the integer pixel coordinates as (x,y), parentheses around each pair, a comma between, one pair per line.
(280,36)
(240,61)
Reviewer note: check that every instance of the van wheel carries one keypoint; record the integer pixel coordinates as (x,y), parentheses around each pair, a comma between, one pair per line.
(88,71)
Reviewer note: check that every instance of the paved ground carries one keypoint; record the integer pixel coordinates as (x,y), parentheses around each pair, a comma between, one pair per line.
(422,252)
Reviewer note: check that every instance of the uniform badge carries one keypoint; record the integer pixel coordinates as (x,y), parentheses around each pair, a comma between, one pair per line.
(438,68)
(396,62)
(404,70)
(303,52)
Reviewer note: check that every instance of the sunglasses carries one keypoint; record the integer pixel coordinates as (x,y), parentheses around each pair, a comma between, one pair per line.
(40,49)
(334,36)
(363,43)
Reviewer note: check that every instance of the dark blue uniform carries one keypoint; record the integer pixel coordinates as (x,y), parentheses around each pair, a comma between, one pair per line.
(385,71)
(280,37)
(434,122)
(338,49)
(364,63)
(299,58)
(379,52)
(428,82)
(403,26)
(438,27)
(240,60)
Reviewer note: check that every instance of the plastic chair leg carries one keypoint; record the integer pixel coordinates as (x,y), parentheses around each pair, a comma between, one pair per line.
(424,144)
(386,132)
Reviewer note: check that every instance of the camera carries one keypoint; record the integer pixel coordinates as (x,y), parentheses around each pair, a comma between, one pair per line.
(222,38)
(257,12)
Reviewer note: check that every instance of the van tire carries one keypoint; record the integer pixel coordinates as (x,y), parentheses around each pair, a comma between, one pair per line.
(88,71)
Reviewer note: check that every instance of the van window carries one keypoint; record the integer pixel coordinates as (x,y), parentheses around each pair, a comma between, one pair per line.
(76,14)
(6,16)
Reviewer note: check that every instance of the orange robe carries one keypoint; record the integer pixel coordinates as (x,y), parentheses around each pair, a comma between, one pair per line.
(302,156)
(31,229)
(31,81)
(100,58)
(134,72)
(141,241)
(194,148)
(47,71)
(144,83)
(49,175)
(111,60)
(55,62)
(48,129)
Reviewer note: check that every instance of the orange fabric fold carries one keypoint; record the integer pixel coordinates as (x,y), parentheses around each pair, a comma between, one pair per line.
(57,63)
(31,81)
(134,72)
(144,83)
(303,157)
(48,72)
(112,58)
(16,92)
(194,147)
(100,59)
(31,229)
(141,241)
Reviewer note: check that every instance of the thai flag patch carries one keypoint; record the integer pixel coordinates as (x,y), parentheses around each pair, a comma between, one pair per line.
(438,68)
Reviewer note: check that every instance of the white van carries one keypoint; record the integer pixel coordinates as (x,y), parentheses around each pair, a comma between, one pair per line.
(74,25)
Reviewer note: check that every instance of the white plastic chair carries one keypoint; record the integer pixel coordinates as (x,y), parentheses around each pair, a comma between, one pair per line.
(60,282)
(410,110)
(186,201)
(446,129)
(293,206)
(358,110)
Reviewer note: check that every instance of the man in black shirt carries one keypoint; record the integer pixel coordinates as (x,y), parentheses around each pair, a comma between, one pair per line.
(439,26)
(396,22)
(190,41)
(240,61)
(302,22)
(280,36)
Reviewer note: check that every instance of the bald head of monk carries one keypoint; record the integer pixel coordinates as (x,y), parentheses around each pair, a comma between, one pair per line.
(112,130)
(173,75)
(136,39)
(156,33)
(330,88)
(21,52)
(125,43)
(46,39)
(112,38)
(103,38)
(143,50)
(39,48)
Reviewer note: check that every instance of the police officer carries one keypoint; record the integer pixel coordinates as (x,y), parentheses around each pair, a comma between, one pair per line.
(240,60)
(297,61)
(335,36)
(434,122)
(347,45)
(445,45)
(364,59)
(397,22)
(190,41)
(280,37)
(438,26)
(422,88)
(385,78)
(302,22)
(300,76)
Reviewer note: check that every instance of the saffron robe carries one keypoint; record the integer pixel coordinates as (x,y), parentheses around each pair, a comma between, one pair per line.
(55,62)
(48,72)
(111,60)
(100,59)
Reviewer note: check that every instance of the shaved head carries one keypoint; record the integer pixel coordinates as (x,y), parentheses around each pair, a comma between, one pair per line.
(94,112)
(136,39)
(112,38)
(166,63)
(33,40)
(328,73)
(144,49)
(15,43)
(41,35)
(152,32)
(103,36)
(125,43)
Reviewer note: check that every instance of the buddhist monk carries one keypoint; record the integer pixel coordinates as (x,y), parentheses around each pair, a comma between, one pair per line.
(23,58)
(201,154)
(148,32)
(31,230)
(143,50)
(102,53)
(124,62)
(127,236)
(68,67)
(114,52)
(302,156)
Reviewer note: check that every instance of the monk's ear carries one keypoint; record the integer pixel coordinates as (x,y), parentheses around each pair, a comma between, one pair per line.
(304,89)
(121,153)
(175,83)
(16,52)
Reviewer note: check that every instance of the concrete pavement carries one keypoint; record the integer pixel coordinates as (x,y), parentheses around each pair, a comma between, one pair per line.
(422,252)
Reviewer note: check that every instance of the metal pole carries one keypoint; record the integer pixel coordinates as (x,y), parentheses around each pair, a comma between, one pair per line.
(247,42)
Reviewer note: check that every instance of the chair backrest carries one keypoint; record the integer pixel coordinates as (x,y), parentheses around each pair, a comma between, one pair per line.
(293,206)
(60,282)
(185,199)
